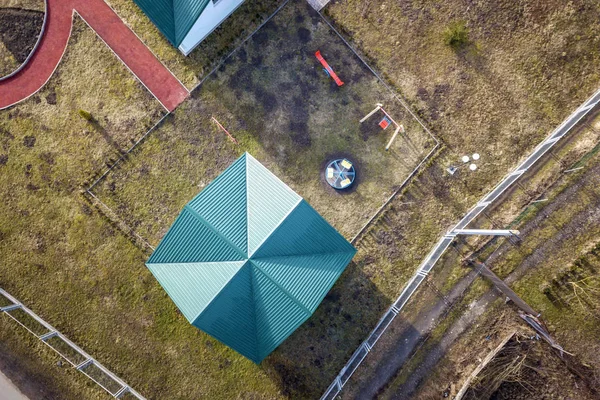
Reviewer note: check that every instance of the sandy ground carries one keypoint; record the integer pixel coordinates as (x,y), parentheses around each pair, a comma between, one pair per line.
(8,391)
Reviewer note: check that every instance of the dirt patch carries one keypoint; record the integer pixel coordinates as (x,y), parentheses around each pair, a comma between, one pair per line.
(29,141)
(300,133)
(304,35)
(19,30)
(267,99)
(35,5)
(51,97)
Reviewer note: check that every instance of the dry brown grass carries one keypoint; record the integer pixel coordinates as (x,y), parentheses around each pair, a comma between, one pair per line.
(64,259)
(526,67)
(36,5)
(72,269)
(190,70)
(7,61)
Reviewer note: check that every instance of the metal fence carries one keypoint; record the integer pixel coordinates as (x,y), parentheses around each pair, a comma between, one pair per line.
(434,255)
(68,350)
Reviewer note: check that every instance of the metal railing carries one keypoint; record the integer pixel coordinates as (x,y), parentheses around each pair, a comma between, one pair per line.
(68,350)
(434,255)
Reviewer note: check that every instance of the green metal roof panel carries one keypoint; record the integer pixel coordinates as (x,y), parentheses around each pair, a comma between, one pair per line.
(162,15)
(248,260)
(306,278)
(193,286)
(303,232)
(191,240)
(186,14)
(269,201)
(231,316)
(222,204)
(174,18)
(277,314)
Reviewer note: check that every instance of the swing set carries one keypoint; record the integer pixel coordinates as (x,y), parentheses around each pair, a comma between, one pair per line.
(385,122)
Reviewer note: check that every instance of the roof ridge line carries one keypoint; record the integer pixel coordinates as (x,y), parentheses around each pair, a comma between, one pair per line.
(254,319)
(273,175)
(245,155)
(287,214)
(195,262)
(306,255)
(288,294)
(220,290)
(215,231)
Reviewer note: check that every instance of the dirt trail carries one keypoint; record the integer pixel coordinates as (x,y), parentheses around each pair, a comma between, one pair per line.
(475,310)
(410,337)
(590,216)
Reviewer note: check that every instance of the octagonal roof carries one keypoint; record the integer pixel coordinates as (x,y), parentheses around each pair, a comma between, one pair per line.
(248,260)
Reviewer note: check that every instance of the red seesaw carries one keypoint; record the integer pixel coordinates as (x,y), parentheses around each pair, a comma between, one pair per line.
(328,68)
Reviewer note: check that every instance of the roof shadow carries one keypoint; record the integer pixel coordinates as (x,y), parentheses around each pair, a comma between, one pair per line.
(306,363)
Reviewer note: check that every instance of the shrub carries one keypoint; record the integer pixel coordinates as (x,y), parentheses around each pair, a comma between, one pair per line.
(86,115)
(456,35)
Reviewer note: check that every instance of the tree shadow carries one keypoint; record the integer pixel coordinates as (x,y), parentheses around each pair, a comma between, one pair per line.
(94,123)
(308,361)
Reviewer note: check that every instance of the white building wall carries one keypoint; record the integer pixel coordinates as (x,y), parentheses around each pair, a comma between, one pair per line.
(211,18)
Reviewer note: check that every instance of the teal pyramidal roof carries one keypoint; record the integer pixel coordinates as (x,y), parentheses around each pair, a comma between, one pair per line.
(174,18)
(248,260)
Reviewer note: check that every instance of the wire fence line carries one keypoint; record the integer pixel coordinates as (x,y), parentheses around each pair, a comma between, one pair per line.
(122,225)
(126,153)
(434,255)
(394,194)
(113,216)
(68,350)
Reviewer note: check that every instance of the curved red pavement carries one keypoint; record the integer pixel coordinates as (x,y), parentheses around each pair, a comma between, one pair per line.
(134,54)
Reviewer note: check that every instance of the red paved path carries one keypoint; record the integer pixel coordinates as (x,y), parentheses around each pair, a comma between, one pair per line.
(138,58)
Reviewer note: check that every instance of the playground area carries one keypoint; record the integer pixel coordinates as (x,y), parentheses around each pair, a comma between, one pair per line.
(87,278)
(77,267)
(276,100)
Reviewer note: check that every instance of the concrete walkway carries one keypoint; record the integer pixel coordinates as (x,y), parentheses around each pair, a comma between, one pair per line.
(8,391)
(167,89)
